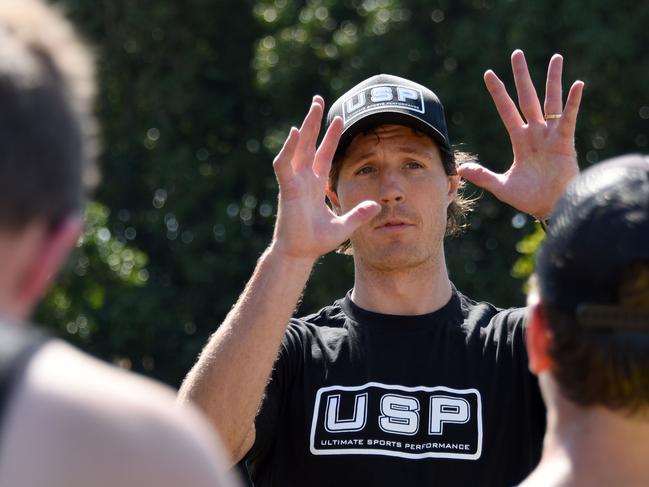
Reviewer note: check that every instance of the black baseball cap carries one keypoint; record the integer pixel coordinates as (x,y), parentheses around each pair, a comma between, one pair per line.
(598,233)
(387,99)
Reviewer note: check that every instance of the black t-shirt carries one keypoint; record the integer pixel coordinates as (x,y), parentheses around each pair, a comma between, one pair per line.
(362,398)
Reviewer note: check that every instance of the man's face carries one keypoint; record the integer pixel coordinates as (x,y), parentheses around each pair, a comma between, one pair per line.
(403,172)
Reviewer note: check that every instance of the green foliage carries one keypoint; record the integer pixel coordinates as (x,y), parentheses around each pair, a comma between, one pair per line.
(197,96)
(527,247)
(101,265)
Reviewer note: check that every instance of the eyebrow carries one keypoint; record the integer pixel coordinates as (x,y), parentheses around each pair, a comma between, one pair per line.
(401,149)
(363,157)
(411,150)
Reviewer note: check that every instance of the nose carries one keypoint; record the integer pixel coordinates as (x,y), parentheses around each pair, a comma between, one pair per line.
(391,188)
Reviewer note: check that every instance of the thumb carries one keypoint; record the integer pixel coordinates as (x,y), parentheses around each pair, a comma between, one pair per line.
(361,213)
(480,176)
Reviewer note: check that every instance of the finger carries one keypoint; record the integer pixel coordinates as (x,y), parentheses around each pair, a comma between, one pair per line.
(361,213)
(527,97)
(553,103)
(504,104)
(282,162)
(481,176)
(327,149)
(319,100)
(569,119)
(309,132)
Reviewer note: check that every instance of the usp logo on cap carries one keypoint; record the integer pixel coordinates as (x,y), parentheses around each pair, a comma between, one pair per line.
(387,99)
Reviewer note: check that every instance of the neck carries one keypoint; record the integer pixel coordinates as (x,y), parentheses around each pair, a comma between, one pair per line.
(16,257)
(11,307)
(591,446)
(11,311)
(412,291)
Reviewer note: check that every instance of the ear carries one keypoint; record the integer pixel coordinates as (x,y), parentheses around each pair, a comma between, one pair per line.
(333,198)
(539,339)
(453,185)
(54,250)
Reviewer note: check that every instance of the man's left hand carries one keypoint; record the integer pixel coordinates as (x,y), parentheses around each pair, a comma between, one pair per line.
(543,143)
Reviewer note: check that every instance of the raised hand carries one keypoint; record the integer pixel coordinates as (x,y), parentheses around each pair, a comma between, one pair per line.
(305,226)
(543,142)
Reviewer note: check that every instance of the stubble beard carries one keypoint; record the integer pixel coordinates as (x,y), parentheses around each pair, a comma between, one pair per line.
(399,256)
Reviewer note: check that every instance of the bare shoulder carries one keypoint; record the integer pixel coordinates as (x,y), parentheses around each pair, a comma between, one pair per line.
(84,422)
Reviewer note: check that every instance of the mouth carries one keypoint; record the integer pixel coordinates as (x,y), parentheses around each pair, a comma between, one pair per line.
(394,224)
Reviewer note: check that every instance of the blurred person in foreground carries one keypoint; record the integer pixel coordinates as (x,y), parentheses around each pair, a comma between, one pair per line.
(67,420)
(588,330)
(405,380)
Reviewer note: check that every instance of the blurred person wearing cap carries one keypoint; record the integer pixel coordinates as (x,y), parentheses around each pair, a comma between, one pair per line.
(67,419)
(403,381)
(588,330)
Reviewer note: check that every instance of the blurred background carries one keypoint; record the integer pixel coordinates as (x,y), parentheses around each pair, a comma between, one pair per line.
(197,96)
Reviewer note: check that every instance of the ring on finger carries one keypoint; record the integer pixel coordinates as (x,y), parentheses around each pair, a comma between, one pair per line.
(552,116)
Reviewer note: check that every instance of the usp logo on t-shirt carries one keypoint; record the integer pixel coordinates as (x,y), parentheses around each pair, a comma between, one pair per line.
(393,420)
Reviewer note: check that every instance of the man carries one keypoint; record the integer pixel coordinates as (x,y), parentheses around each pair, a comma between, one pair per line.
(588,336)
(404,381)
(67,420)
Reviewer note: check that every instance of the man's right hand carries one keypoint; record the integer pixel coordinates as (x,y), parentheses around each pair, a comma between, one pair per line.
(306,227)
(229,378)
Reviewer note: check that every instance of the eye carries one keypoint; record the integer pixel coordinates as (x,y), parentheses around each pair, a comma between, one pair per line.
(364,170)
(414,165)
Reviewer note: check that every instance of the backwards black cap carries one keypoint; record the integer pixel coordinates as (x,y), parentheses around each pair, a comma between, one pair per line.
(387,99)
(599,231)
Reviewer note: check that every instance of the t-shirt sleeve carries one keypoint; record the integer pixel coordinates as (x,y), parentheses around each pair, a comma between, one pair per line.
(280,382)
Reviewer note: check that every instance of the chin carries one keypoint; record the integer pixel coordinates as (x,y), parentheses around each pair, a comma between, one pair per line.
(395,257)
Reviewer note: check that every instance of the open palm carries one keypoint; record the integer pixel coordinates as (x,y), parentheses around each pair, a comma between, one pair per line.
(543,141)
(306,227)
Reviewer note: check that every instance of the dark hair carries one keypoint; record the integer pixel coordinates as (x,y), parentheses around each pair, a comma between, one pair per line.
(47,131)
(457,212)
(603,367)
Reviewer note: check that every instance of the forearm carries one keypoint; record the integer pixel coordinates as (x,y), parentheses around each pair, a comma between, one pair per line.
(229,378)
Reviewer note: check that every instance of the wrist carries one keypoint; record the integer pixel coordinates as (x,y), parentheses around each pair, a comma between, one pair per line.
(278,252)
